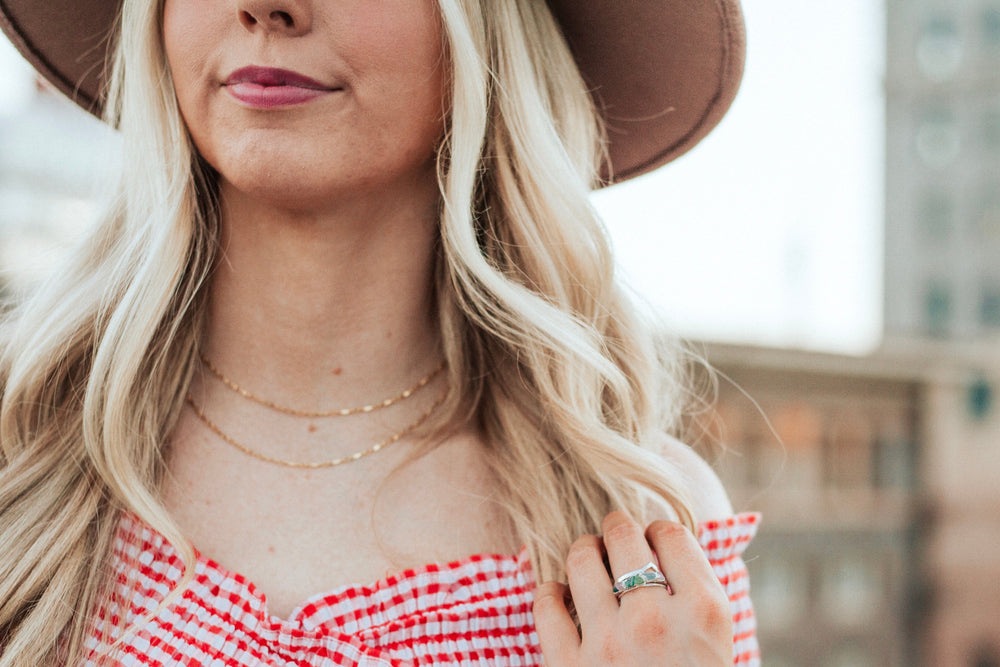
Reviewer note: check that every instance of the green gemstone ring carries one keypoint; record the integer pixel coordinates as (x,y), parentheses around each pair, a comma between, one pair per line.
(648,575)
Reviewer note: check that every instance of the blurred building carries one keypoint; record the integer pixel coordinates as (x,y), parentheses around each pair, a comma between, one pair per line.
(942,168)
(880,543)
(943,282)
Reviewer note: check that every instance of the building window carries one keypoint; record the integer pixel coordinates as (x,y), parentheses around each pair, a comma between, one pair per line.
(989,306)
(796,462)
(780,591)
(848,455)
(939,49)
(937,308)
(989,24)
(938,138)
(894,449)
(851,589)
(936,216)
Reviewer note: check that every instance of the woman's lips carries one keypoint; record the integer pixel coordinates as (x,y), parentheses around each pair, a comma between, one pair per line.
(269,87)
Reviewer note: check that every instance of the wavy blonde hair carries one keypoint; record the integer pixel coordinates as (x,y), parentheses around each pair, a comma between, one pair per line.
(545,352)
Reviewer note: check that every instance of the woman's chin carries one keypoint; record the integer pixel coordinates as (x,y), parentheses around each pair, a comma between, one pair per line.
(281,186)
(302,186)
(277,195)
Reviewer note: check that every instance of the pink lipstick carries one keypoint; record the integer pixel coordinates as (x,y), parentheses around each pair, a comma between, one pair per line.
(271,88)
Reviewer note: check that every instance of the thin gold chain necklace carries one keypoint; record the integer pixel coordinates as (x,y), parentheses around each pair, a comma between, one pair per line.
(317,464)
(339,412)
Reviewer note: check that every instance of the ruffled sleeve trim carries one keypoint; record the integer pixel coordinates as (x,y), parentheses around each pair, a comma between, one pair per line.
(725,538)
(724,541)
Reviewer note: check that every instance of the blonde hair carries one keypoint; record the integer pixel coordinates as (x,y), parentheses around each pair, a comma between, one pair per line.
(545,352)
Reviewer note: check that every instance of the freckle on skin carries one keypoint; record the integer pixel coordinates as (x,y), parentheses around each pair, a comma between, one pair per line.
(338,370)
(270,549)
(313,428)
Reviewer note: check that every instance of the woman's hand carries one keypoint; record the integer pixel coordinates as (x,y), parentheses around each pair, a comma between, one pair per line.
(649,626)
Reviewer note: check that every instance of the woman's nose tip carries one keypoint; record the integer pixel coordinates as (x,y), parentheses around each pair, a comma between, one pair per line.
(275,18)
(274,15)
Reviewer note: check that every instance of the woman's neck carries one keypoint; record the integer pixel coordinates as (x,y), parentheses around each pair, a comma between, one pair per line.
(326,307)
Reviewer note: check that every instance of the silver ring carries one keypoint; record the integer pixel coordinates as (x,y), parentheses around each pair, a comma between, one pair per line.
(647,575)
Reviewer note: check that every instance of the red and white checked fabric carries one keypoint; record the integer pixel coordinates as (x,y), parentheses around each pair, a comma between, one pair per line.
(472,612)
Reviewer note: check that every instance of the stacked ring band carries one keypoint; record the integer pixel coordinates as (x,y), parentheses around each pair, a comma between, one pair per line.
(648,575)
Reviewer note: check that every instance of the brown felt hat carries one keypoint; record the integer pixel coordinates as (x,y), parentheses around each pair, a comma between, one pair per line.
(663,72)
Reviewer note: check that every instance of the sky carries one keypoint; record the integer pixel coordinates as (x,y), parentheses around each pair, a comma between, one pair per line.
(770,231)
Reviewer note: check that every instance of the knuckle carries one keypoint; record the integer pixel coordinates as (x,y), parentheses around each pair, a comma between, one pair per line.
(666,531)
(622,531)
(712,611)
(650,625)
(548,598)
(613,518)
(580,552)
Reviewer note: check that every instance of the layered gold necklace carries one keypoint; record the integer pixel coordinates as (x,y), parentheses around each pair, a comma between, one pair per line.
(338,412)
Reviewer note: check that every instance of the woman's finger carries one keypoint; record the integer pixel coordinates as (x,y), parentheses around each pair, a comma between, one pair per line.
(556,631)
(628,550)
(689,569)
(589,583)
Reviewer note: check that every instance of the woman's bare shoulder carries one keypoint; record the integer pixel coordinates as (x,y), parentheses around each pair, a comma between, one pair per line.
(707,492)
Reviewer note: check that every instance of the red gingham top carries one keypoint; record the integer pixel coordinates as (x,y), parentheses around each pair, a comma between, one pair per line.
(472,612)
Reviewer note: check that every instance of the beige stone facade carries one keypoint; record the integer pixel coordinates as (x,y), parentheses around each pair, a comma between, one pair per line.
(878,481)
(961,476)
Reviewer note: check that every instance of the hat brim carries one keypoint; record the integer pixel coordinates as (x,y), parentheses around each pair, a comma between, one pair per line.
(663,73)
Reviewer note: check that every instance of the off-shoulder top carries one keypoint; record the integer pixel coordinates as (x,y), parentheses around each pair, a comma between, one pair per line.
(471,612)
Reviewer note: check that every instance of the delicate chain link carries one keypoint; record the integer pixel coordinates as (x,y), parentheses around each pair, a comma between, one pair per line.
(318,464)
(340,412)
